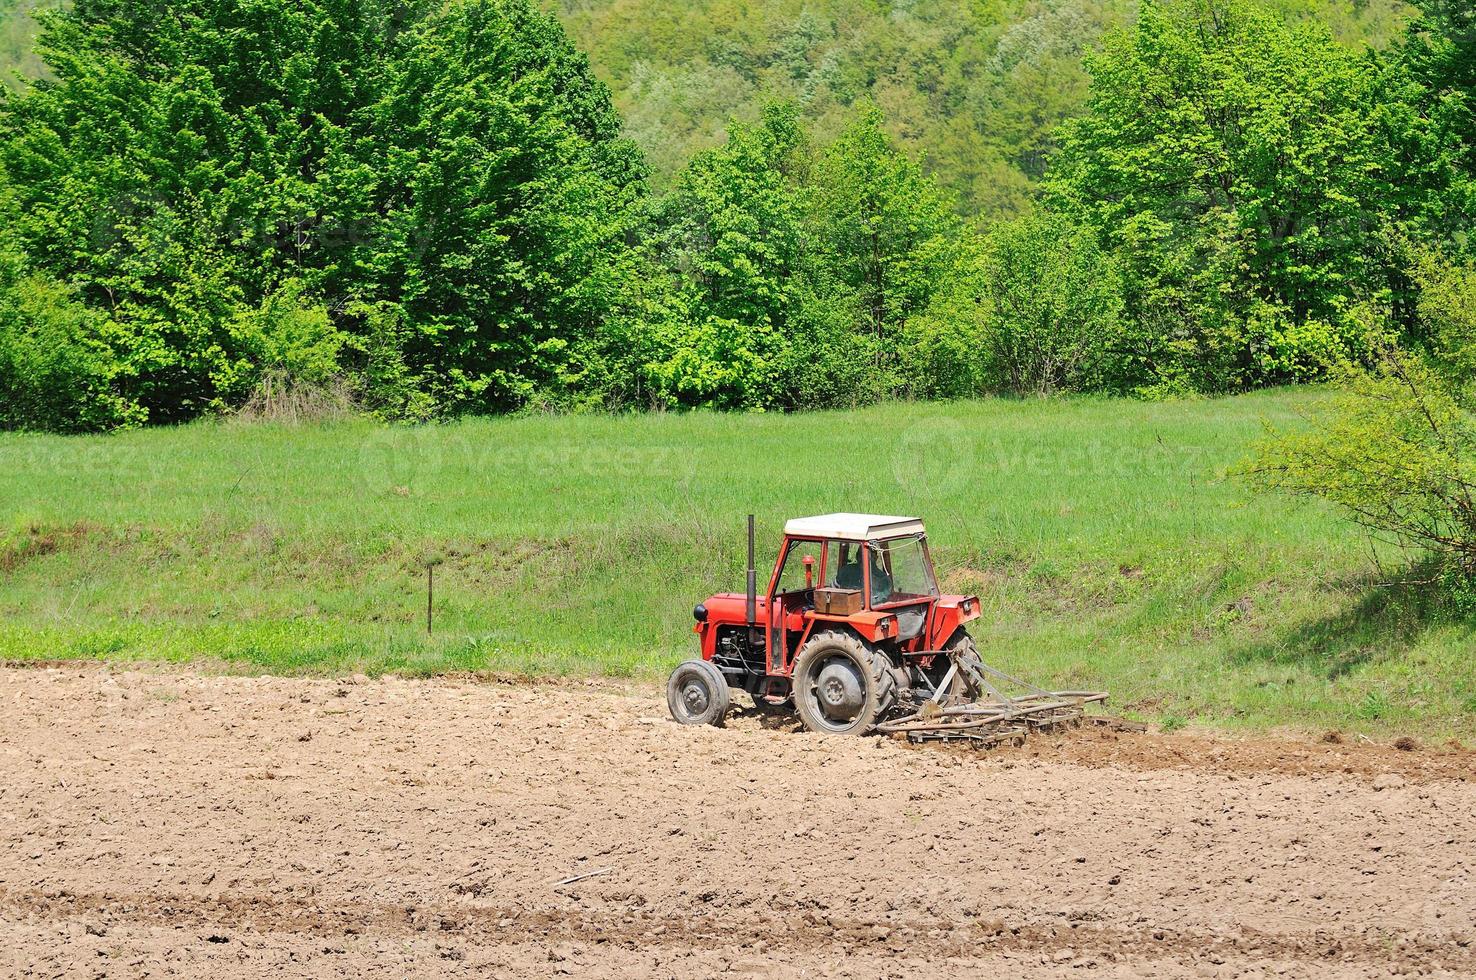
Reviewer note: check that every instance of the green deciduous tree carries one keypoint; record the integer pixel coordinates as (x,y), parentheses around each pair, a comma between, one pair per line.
(1440,47)
(194,159)
(886,234)
(505,198)
(1054,306)
(736,242)
(1243,171)
(57,369)
(1434,65)
(801,268)
(1395,448)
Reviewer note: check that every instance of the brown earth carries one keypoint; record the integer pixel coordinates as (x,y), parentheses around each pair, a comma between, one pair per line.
(164,824)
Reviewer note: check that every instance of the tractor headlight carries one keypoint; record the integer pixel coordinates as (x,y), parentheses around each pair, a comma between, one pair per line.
(700,613)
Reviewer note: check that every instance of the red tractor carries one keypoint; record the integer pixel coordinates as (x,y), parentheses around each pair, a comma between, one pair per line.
(851,629)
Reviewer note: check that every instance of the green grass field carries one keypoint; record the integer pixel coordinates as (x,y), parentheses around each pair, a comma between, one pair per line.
(1104,537)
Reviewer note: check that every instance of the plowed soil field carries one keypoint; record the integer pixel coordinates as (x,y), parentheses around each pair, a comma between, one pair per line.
(175,824)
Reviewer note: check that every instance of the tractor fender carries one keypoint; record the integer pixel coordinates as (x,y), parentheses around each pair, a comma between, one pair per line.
(949,616)
(872,626)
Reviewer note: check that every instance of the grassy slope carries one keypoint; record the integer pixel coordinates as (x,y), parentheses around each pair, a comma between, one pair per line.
(1107,546)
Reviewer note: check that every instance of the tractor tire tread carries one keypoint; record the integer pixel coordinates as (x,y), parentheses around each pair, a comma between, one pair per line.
(883,691)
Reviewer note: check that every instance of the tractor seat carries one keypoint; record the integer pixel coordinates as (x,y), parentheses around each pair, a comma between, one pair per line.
(849,576)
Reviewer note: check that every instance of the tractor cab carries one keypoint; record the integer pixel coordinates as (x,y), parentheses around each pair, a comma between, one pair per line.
(872,572)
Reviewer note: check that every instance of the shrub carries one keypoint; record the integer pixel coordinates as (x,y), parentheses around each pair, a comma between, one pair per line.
(288,342)
(941,350)
(1396,451)
(57,371)
(1447,307)
(1054,303)
(385,385)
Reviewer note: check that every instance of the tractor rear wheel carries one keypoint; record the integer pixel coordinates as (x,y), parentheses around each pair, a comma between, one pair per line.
(842,686)
(697,694)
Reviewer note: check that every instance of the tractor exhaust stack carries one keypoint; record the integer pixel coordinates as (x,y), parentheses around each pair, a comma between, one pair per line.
(752,607)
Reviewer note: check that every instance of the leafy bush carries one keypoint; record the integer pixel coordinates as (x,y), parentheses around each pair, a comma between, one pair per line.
(288,339)
(942,351)
(374,351)
(1447,308)
(1054,305)
(1396,451)
(57,369)
(1396,448)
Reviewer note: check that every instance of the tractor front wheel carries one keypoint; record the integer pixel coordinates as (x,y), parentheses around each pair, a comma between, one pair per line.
(842,686)
(697,694)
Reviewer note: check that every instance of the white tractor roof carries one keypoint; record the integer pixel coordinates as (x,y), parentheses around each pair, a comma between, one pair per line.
(853,527)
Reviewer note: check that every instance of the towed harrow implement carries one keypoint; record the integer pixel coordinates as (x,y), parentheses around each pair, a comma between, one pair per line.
(995,716)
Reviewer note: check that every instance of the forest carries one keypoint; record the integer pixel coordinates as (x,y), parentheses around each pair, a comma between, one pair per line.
(431,210)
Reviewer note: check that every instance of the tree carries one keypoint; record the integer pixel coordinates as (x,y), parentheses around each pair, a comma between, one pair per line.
(1240,167)
(1437,56)
(1054,305)
(887,235)
(507,199)
(1447,309)
(737,239)
(802,268)
(1395,448)
(1440,47)
(56,369)
(192,159)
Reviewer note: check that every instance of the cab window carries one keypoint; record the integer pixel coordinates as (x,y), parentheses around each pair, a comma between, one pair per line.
(900,571)
(792,576)
(843,569)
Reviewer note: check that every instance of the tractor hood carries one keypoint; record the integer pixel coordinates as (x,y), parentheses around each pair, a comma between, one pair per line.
(728,608)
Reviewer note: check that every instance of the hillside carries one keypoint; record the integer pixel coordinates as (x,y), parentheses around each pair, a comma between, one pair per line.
(1107,544)
(17,33)
(974,88)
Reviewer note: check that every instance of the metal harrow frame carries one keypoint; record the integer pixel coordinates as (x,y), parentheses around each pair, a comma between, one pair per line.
(995,716)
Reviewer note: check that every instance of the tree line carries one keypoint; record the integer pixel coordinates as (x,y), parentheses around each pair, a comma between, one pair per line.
(440,207)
